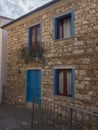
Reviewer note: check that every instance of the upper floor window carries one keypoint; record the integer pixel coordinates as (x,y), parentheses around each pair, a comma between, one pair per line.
(34,34)
(64,26)
(34,39)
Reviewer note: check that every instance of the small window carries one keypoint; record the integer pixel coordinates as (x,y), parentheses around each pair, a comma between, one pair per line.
(34,39)
(64,84)
(35,34)
(64,26)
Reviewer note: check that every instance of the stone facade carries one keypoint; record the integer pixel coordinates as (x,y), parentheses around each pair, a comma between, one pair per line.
(80,52)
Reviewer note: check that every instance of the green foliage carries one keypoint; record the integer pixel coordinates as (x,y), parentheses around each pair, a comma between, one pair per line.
(28,54)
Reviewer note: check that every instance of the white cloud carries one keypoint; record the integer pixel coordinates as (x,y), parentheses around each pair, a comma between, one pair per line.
(16,8)
(23,6)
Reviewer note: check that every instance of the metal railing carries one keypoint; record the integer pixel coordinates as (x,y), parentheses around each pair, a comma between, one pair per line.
(47,115)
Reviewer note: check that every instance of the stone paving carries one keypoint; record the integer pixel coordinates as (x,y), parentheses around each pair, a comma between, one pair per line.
(15,117)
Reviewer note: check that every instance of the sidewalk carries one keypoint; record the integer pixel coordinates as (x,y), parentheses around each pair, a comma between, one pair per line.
(15,117)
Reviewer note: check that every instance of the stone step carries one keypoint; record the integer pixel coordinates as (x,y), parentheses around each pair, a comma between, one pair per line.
(29,105)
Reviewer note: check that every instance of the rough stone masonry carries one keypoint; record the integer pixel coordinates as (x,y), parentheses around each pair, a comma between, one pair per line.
(81,52)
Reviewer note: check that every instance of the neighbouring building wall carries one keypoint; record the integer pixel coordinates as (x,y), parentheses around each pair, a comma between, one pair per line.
(80,52)
(0,65)
(4,20)
(0,22)
(3,41)
(4,46)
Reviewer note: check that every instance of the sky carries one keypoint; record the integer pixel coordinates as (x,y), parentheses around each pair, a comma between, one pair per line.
(16,8)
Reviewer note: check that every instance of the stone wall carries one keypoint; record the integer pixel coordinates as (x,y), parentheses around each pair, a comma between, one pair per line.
(80,52)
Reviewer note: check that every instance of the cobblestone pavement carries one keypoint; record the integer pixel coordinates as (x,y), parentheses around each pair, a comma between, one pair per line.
(15,117)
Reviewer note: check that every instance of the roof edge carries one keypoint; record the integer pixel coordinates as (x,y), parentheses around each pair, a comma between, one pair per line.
(31,12)
(6,17)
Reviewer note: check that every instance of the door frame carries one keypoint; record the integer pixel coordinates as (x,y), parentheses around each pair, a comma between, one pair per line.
(28,69)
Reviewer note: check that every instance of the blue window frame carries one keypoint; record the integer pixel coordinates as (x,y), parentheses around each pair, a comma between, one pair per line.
(64,82)
(64,26)
(35,36)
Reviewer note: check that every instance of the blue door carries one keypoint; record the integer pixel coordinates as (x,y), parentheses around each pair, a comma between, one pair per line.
(33,84)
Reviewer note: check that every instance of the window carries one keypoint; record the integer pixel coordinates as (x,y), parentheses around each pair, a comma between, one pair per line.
(34,39)
(64,82)
(64,26)
(34,34)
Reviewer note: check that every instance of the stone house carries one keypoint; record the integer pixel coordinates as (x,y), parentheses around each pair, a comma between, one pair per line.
(3,41)
(67,72)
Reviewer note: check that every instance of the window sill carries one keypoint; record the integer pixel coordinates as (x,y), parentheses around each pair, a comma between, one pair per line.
(64,97)
(56,40)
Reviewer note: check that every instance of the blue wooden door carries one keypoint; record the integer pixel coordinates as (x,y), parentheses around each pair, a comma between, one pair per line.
(33,84)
